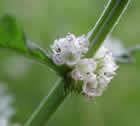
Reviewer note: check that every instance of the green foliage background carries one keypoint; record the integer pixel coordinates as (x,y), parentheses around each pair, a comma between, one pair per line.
(45,20)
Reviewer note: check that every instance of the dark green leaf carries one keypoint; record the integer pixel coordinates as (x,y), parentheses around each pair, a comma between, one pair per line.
(12,37)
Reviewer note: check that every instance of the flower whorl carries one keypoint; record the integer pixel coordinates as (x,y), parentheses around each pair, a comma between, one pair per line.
(69,50)
(95,73)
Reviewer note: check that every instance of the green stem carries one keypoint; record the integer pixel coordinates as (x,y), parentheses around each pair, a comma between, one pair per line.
(13,38)
(49,105)
(38,53)
(105,24)
(56,97)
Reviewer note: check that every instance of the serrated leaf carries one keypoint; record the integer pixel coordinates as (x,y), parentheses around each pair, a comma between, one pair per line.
(12,37)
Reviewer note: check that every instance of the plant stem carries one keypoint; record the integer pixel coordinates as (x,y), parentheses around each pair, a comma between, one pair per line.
(39,54)
(49,105)
(106,23)
(56,97)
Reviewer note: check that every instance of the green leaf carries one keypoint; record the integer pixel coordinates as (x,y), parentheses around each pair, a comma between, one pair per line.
(12,37)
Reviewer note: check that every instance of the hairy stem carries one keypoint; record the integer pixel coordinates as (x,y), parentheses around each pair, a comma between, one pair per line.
(49,105)
(109,18)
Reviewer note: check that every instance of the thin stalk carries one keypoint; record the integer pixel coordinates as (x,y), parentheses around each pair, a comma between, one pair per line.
(49,105)
(106,23)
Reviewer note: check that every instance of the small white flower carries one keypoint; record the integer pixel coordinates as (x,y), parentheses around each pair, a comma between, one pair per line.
(69,50)
(84,69)
(106,63)
(89,88)
(96,73)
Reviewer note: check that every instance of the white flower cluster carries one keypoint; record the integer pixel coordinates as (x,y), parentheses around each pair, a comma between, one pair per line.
(95,73)
(69,50)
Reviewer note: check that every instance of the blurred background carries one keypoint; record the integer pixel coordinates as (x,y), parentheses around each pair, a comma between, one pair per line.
(45,20)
